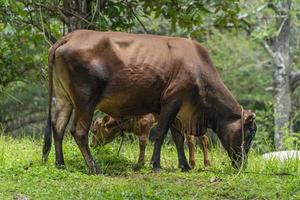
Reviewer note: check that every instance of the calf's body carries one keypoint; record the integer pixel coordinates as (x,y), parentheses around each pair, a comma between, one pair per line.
(106,129)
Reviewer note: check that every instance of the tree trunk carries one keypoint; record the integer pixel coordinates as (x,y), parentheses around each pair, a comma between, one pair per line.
(279,48)
(77,13)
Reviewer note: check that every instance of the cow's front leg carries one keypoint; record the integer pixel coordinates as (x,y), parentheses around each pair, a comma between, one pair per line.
(82,122)
(178,139)
(204,142)
(142,144)
(166,118)
(191,144)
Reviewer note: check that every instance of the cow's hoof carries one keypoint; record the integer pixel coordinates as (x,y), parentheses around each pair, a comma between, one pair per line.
(156,169)
(44,159)
(137,166)
(192,164)
(97,172)
(60,166)
(207,164)
(94,170)
(185,168)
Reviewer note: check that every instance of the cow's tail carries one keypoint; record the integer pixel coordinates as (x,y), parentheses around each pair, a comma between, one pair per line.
(48,131)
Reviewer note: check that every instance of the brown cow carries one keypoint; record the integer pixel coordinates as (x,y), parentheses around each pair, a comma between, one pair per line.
(106,129)
(127,75)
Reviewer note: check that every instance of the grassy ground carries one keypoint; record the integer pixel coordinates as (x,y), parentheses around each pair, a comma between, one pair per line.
(23,176)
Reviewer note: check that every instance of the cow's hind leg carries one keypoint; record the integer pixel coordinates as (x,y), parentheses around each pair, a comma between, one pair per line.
(86,99)
(80,129)
(142,145)
(178,139)
(204,141)
(61,119)
(166,118)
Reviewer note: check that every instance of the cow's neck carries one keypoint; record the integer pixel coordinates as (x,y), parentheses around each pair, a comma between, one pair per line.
(221,106)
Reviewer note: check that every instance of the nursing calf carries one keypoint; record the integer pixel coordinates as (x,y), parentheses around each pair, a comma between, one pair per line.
(106,129)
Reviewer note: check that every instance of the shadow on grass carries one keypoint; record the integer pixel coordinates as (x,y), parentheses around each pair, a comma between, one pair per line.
(111,164)
(106,159)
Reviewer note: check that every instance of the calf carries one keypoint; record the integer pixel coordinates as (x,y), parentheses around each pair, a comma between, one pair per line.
(107,128)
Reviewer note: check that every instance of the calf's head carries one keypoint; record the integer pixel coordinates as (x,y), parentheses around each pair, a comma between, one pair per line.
(104,130)
(236,137)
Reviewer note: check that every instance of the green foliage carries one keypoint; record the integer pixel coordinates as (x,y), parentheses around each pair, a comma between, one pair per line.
(242,63)
(23,108)
(21,56)
(263,141)
(23,174)
(195,16)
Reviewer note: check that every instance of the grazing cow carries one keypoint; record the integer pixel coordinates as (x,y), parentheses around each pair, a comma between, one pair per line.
(106,129)
(126,75)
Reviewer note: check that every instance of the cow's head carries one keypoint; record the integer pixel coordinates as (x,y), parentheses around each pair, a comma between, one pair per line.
(104,130)
(230,134)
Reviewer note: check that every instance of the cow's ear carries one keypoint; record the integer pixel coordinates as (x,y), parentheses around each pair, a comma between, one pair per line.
(249,116)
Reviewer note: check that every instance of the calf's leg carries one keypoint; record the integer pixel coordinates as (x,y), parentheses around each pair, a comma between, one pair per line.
(142,147)
(204,142)
(191,145)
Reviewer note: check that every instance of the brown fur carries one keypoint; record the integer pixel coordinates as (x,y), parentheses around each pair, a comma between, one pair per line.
(126,75)
(107,128)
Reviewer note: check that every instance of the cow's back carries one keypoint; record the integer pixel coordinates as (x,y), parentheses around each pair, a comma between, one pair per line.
(131,71)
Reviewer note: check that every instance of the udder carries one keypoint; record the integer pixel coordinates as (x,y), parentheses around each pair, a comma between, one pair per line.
(122,105)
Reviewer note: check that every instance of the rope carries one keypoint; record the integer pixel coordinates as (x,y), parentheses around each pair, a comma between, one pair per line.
(243,142)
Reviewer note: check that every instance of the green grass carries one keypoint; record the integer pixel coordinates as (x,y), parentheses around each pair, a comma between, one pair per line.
(22,175)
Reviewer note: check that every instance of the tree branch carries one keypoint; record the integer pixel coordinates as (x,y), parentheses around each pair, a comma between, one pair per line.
(102,4)
(282,24)
(137,18)
(62,12)
(269,49)
(47,34)
(43,28)
(277,57)
(272,6)
(240,17)
(294,79)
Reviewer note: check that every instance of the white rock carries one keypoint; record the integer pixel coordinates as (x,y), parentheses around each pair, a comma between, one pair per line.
(282,155)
